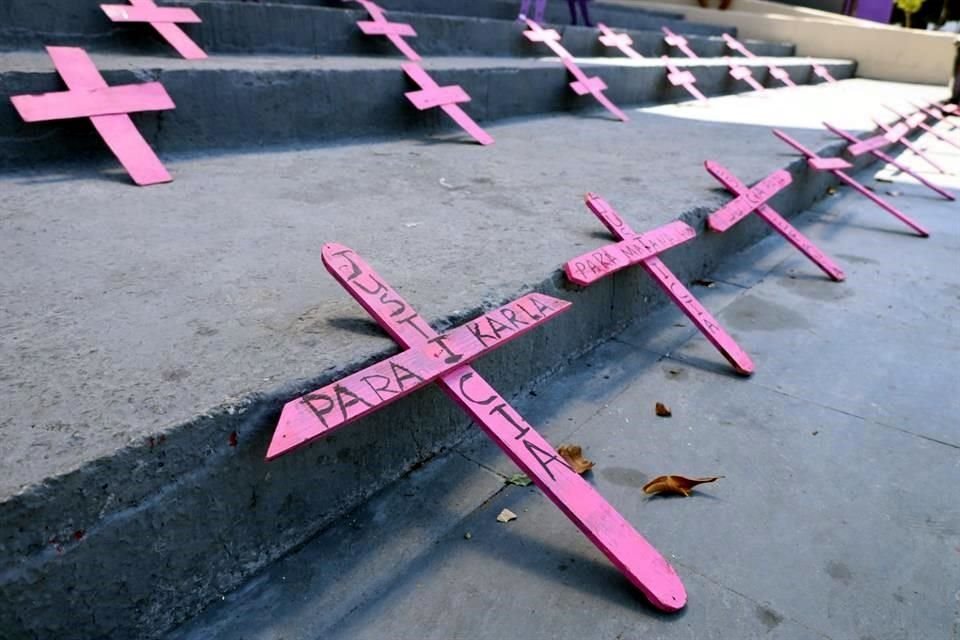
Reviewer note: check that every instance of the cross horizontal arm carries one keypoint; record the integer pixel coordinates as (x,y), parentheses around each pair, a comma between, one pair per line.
(128,13)
(386,29)
(130,98)
(747,200)
(319,413)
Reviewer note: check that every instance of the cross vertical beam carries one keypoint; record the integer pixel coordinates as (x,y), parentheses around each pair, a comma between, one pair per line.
(898,134)
(621,41)
(684,79)
(395,32)
(432,95)
(674,40)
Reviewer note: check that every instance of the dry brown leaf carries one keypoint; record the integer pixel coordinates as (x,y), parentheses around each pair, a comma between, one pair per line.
(506,516)
(675,484)
(573,454)
(663,410)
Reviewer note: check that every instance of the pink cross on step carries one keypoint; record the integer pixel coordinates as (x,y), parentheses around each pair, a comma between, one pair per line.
(678,41)
(394,31)
(163,19)
(754,200)
(742,72)
(107,107)
(549,37)
(432,95)
(621,41)
(822,71)
(593,85)
(898,133)
(889,138)
(836,167)
(643,249)
(684,79)
(444,359)
(775,71)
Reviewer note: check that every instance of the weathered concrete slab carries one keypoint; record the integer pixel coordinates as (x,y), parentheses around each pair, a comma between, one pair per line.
(153,334)
(816,530)
(241,101)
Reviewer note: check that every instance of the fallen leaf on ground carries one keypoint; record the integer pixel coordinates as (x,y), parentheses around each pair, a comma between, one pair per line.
(506,516)
(675,484)
(519,479)
(573,454)
(663,410)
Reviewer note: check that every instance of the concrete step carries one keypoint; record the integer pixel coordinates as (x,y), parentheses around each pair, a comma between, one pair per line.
(152,335)
(231,27)
(233,102)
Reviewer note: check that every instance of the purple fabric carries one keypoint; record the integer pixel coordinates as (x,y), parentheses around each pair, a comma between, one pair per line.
(540,8)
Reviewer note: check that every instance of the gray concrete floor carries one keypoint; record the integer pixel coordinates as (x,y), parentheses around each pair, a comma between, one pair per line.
(101,352)
(837,517)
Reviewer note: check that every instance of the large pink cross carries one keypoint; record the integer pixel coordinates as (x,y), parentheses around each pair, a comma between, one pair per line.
(447,98)
(684,79)
(643,249)
(621,41)
(775,71)
(163,19)
(394,31)
(919,119)
(836,167)
(674,40)
(107,107)
(822,71)
(594,85)
(754,200)
(549,37)
(874,147)
(430,357)
(898,133)
(742,72)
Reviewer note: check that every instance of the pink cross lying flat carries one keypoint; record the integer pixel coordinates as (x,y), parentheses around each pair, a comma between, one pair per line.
(430,357)
(684,79)
(836,167)
(163,19)
(593,85)
(775,71)
(432,95)
(889,138)
(754,200)
(643,249)
(621,41)
(898,133)
(549,37)
(741,72)
(394,31)
(919,119)
(822,71)
(678,41)
(107,107)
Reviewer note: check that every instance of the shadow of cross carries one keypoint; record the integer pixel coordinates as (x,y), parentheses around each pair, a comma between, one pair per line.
(89,96)
(432,95)
(898,133)
(874,147)
(754,200)
(836,167)
(164,20)
(775,71)
(394,31)
(430,357)
(643,249)
(684,79)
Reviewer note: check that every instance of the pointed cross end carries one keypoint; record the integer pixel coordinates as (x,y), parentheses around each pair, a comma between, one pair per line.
(289,432)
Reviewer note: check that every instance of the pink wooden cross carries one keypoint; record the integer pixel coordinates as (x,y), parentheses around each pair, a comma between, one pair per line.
(754,200)
(394,31)
(742,72)
(898,134)
(775,71)
(674,40)
(107,107)
(949,108)
(444,359)
(935,113)
(621,41)
(447,98)
(684,79)
(594,85)
(643,249)
(163,19)
(549,37)
(919,119)
(859,147)
(822,71)
(836,167)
